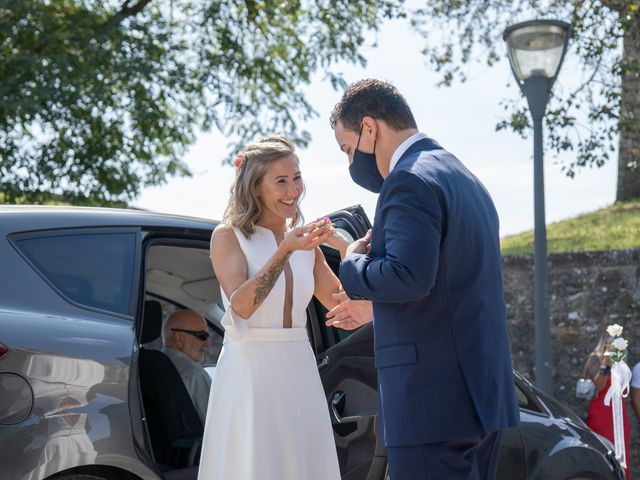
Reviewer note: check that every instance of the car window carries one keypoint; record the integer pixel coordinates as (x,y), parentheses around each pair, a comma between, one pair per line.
(345,233)
(95,270)
(524,401)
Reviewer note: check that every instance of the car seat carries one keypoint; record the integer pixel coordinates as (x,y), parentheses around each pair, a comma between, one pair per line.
(174,427)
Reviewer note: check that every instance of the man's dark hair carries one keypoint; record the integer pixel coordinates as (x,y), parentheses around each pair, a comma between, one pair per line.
(376,99)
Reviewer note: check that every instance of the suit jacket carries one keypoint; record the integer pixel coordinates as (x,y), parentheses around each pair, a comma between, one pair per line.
(434,275)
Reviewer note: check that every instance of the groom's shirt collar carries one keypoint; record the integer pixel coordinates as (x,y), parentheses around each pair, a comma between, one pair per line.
(403,147)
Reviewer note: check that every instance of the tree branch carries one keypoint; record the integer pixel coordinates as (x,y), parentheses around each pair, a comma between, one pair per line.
(128,11)
(618,6)
(596,70)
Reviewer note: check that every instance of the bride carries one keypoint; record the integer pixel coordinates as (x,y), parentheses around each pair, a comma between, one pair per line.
(267,417)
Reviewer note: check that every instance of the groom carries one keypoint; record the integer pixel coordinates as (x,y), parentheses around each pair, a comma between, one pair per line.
(431,267)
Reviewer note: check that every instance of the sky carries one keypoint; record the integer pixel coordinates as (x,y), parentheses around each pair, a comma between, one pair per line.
(461,118)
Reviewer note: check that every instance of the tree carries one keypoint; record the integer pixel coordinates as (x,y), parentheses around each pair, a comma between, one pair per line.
(606,42)
(101,97)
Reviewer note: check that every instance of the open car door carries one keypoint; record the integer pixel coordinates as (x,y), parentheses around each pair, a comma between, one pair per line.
(348,373)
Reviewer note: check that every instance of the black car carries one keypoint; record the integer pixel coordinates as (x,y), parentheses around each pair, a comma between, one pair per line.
(85,392)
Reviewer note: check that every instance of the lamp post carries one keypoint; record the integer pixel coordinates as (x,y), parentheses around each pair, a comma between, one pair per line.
(536,50)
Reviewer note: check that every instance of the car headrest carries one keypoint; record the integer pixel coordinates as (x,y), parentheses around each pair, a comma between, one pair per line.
(151,321)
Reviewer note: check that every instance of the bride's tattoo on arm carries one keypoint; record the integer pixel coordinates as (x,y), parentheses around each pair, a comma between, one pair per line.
(267,280)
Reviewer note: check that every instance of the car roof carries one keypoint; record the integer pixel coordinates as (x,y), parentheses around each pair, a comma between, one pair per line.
(37,217)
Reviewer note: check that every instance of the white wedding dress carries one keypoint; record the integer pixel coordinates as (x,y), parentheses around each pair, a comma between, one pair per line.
(268,418)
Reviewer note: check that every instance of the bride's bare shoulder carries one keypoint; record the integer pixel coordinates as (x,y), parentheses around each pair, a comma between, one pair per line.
(224,229)
(224,236)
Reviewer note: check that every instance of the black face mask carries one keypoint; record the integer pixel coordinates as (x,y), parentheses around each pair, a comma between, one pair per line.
(364,169)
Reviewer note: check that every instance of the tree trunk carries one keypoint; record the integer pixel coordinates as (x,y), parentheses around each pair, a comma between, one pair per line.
(629,123)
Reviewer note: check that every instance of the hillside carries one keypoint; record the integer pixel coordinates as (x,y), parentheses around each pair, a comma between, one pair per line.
(612,228)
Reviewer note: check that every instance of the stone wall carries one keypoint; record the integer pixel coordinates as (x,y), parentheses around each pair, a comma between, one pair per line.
(588,291)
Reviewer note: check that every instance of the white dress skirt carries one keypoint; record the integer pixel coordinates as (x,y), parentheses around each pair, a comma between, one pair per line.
(268,418)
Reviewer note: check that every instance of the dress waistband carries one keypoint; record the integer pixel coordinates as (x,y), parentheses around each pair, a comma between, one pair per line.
(267,335)
(236,329)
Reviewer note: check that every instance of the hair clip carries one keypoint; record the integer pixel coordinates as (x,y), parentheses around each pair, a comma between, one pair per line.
(239,161)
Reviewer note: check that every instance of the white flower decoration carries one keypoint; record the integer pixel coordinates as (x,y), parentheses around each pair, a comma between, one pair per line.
(620,343)
(614,330)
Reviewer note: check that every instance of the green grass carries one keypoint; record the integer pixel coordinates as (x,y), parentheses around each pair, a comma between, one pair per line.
(612,228)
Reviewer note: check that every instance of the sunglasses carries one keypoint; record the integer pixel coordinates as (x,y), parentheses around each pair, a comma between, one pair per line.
(199,334)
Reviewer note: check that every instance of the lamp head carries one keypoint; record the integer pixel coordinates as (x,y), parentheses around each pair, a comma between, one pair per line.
(537,47)
(536,50)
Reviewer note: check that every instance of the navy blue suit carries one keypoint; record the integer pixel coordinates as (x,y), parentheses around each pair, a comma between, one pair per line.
(434,276)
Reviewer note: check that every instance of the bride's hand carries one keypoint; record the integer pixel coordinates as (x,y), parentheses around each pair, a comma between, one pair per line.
(308,237)
(339,242)
(336,240)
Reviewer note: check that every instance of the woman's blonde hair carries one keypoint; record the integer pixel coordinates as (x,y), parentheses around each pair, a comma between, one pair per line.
(596,357)
(244,208)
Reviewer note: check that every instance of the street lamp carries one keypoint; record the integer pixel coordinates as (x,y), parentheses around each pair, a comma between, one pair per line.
(536,50)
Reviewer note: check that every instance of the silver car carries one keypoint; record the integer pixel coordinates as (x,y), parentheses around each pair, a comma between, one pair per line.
(86,393)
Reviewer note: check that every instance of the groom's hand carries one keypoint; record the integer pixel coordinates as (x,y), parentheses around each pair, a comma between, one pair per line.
(361,245)
(349,314)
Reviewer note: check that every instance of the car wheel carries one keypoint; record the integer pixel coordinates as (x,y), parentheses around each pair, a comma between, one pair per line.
(82,476)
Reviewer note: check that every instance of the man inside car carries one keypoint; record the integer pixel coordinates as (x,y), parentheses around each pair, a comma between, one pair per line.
(186,339)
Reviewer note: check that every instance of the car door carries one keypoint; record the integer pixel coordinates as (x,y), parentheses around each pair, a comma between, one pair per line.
(349,377)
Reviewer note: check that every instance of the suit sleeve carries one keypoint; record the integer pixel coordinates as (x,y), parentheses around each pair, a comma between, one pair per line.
(411,216)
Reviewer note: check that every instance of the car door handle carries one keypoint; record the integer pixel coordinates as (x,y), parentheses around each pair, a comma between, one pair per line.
(323,363)
(337,405)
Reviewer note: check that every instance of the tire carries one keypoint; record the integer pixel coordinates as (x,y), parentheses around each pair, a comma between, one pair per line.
(81,476)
